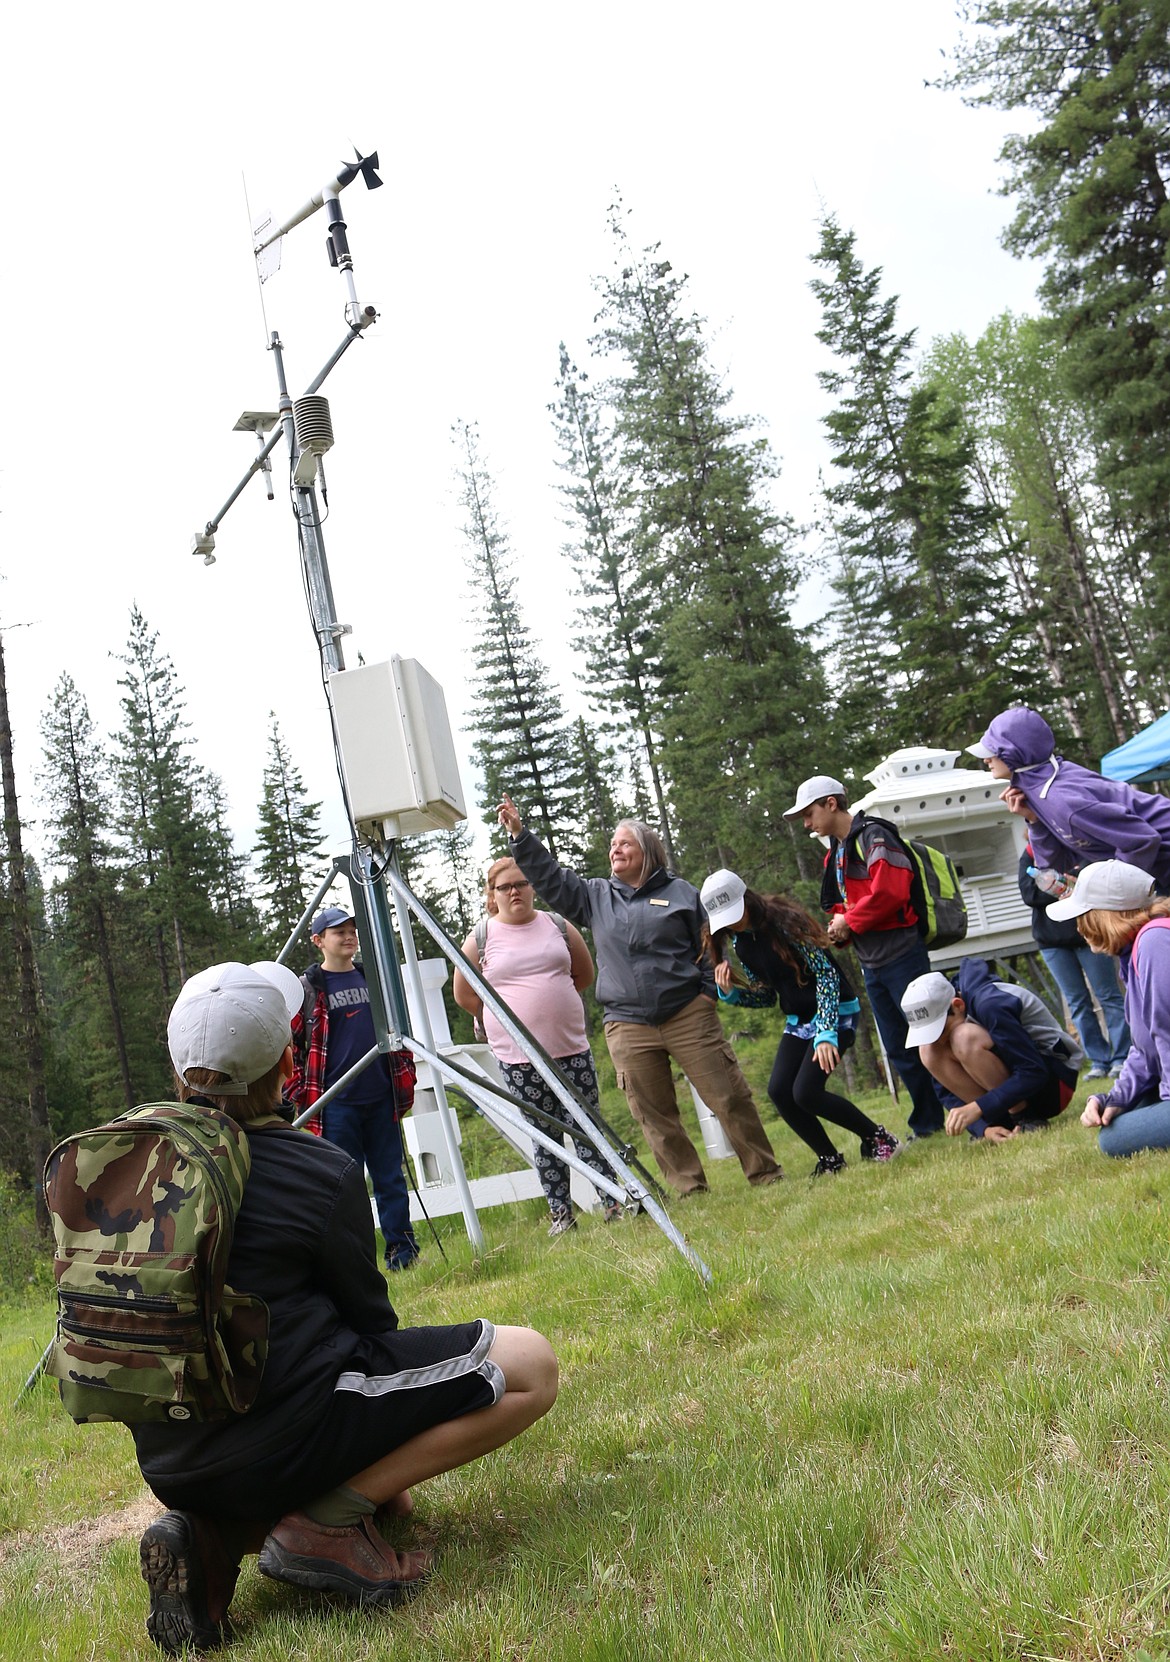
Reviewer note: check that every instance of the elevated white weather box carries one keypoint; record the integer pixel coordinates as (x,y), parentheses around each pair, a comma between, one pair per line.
(958,810)
(397,752)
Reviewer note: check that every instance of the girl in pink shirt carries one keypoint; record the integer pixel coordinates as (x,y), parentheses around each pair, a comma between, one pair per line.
(539,965)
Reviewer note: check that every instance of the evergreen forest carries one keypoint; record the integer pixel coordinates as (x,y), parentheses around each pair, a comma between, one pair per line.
(994,527)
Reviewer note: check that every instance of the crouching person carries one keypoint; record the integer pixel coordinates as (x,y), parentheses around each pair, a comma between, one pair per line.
(1003,1060)
(352,1410)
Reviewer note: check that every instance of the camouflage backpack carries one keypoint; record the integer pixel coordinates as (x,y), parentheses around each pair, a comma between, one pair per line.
(143,1211)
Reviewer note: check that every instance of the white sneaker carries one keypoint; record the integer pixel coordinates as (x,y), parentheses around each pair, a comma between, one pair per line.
(1098,1071)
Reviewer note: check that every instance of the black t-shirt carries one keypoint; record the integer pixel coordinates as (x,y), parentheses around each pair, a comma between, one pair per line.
(304,1243)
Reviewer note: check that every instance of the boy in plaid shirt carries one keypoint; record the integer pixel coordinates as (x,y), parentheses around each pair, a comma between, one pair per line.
(364,1119)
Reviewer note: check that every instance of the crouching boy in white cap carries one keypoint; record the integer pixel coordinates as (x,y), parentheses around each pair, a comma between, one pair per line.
(1003,1060)
(352,1410)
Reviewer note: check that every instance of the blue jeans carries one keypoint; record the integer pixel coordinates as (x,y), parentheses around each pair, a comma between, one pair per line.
(1138,1129)
(885,984)
(372,1137)
(1079,973)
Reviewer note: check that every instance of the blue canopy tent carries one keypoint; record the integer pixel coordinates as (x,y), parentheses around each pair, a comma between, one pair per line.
(1143,758)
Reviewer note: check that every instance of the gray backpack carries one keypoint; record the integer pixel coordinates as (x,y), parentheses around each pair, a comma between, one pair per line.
(1042,1027)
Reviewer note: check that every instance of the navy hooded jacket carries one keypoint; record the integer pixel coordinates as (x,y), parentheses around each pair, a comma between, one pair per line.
(1029,1068)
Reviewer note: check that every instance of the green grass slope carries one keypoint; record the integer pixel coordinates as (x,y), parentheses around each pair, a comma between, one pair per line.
(921,1413)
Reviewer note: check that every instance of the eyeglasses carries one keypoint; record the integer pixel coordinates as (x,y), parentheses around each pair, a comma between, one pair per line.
(511,888)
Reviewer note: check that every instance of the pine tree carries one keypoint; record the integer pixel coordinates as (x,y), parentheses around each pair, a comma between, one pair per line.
(1091,178)
(621,636)
(231,893)
(172,863)
(289,849)
(597,812)
(522,741)
(24,1134)
(741,695)
(452,887)
(919,555)
(1034,460)
(85,902)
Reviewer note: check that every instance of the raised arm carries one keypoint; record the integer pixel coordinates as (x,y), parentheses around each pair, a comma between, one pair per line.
(556,885)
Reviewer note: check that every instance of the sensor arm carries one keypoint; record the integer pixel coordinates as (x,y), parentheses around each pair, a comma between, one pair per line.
(203,542)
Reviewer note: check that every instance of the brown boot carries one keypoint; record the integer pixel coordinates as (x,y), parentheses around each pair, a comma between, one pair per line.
(191,1577)
(354,1561)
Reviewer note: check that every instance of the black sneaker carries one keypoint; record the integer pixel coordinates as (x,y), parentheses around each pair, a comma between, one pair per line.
(883,1145)
(829,1165)
(191,1582)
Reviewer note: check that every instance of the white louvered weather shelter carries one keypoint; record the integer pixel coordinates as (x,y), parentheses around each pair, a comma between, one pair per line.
(958,810)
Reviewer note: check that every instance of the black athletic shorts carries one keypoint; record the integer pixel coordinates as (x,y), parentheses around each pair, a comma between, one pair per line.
(397,1385)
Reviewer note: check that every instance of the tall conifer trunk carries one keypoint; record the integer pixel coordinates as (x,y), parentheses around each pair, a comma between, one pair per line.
(35,1139)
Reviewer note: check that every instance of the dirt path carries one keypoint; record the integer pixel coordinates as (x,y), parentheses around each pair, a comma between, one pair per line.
(81,1543)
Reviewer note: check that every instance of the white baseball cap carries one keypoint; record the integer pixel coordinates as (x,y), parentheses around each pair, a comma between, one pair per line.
(235,1018)
(812,791)
(722,896)
(926,1004)
(1111,885)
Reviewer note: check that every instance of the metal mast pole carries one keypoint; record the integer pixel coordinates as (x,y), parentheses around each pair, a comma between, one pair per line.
(389,1006)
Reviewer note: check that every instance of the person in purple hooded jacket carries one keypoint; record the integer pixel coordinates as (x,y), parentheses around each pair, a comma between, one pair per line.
(1077,817)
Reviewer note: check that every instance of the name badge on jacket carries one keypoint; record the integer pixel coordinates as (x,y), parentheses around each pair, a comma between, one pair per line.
(654,902)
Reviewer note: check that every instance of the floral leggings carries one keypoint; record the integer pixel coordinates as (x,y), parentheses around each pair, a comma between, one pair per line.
(523,1079)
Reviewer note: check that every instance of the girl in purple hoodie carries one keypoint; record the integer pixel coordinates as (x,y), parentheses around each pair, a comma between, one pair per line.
(1076,815)
(1116,911)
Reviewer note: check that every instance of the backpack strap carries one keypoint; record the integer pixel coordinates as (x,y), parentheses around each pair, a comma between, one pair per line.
(308,1002)
(887,825)
(481,930)
(1150,923)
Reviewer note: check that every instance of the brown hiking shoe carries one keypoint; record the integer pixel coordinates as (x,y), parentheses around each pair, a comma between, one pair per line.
(353,1561)
(191,1578)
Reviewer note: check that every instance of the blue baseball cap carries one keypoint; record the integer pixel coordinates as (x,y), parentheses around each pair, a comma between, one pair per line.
(329,919)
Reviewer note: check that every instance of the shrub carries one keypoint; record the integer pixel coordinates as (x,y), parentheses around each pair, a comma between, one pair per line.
(26,1268)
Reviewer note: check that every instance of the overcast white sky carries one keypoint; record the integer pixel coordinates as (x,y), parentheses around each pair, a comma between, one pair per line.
(133,335)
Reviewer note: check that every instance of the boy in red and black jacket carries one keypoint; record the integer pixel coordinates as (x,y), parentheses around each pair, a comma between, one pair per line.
(866,890)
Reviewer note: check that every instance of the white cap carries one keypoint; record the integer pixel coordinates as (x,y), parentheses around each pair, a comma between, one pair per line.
(1111,885)
(236,1019)
(981,750)
(722,896)
(926,1004)
(812,791)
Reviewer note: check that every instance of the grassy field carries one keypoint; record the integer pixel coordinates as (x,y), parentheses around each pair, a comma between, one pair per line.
(921,1413)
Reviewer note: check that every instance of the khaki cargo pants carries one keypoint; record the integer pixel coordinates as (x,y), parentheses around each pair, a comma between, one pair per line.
(643,1056)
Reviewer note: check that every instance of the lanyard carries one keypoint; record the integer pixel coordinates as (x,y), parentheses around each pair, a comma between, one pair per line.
(840,861)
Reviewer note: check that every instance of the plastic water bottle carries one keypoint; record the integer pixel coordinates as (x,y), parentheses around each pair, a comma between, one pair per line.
(1053,882)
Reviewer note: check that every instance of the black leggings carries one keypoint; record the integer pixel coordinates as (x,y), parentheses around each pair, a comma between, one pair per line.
(798,1093)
